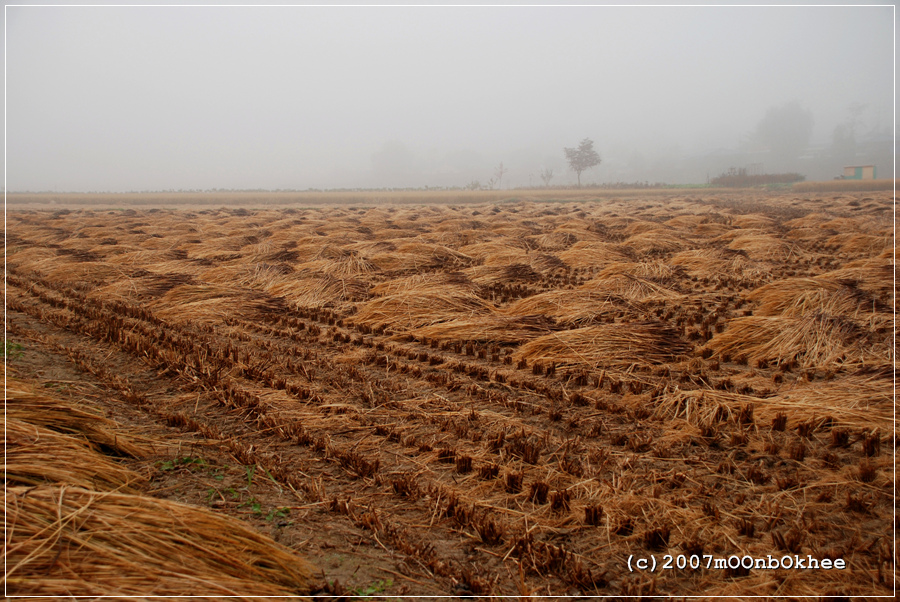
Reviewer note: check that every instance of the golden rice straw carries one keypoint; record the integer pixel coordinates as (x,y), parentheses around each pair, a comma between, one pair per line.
(764,247)
(211,304)
(497,252)
(579,307)
(753,220)
(656,271)
(309,289)
(584,254)
(857,401)
(810,220)
(36,455)
(453,281)
(485,275)
(655,241)
(613,345)
(559,241)
(629,287)
(796,297)
(67,541)
(513,329)
(875,276)
(643,227)
(814,340)
(421,307)
(25,404)
(860,243)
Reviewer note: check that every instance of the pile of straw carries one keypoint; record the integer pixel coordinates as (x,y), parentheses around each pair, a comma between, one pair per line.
(627,286)
(579,307)
(417,256)
(497,329)
(796,297)
(556,241)
(655,241)
(753,220)
(813,340)
(497,252)
(513,272)
(212,304)
(874,276)
(36,455)
(592,254)
(607,345)
(75,526)
(309,289)
(763,247)
(65,541)
(454,282)
(860,243)
(657,271)
(24,404)
(856,401)
(421,307)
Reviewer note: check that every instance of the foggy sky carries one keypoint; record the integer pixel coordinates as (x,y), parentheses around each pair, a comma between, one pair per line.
(156,98)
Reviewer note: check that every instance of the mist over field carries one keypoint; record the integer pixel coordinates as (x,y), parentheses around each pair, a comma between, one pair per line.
(168,98)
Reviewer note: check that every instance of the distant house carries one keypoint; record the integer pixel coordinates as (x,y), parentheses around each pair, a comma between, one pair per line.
(859,172)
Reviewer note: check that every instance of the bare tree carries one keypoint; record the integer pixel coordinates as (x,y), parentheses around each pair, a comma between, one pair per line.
(546,176)
(582,158)
(498,172)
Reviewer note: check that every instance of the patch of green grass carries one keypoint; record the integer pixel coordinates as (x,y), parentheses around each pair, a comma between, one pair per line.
(279,512)
(185,462)
(12,350)
(254,504)
(374,588)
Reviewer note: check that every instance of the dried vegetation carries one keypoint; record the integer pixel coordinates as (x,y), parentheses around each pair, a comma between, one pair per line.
(509,399)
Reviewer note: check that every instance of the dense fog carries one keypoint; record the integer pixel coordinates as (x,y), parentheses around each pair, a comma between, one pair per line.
(168,98)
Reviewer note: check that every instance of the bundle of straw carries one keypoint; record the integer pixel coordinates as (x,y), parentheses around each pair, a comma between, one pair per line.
(796,297)
(421,307)
(36,454)
(655,241)
(627,286)
(25,405)
(577,307)
(753,220)
(68,541)
(875,276)
(607,345)
(416,256)
(309,289)
(762,247)
(453,281)
(211,304)
(500,252)
(858,401)
(500,329)
(556,241)
(814,340)
(513,272)
(657,271)
(591,254)
(860,243)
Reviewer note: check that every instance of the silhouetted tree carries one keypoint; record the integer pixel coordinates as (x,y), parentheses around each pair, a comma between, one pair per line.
(582,158)
(546,176)
(499,171)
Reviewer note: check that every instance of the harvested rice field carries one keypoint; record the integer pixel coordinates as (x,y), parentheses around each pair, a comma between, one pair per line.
(638,396)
